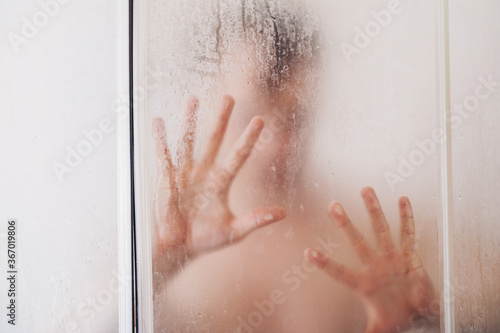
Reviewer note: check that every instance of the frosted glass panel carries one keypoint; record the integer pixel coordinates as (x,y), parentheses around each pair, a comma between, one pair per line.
(475,74)
(338,96)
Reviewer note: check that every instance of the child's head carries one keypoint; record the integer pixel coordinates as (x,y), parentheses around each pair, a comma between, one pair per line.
(266,54)
(278,37)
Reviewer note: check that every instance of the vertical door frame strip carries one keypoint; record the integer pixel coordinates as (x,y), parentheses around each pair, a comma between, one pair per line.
(446,239)
(142,189)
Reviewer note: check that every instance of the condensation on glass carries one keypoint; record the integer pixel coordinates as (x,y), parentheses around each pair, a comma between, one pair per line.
(349,94)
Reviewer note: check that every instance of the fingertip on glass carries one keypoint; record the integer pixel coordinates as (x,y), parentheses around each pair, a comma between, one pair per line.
(227,102)
(268,217)
(193,102)
(158,128)
(335,209)
(277,214)
(257,123)
(368,192)
(314,255)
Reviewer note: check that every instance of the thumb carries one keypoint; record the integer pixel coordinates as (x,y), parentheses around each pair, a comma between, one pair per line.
(258,218)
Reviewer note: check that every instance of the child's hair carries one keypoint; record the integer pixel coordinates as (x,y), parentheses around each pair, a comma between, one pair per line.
(282,34)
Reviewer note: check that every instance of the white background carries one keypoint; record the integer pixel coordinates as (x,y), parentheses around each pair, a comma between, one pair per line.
(58,84)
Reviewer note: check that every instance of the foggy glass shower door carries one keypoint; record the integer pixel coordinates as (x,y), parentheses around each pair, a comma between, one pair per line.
(351,94)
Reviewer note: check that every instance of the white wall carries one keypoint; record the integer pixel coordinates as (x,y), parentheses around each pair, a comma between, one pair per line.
(475,46)
(59,83)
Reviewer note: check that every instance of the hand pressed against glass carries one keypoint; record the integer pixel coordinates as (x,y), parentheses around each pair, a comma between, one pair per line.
(191,207)
(272,71)
(393,283)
